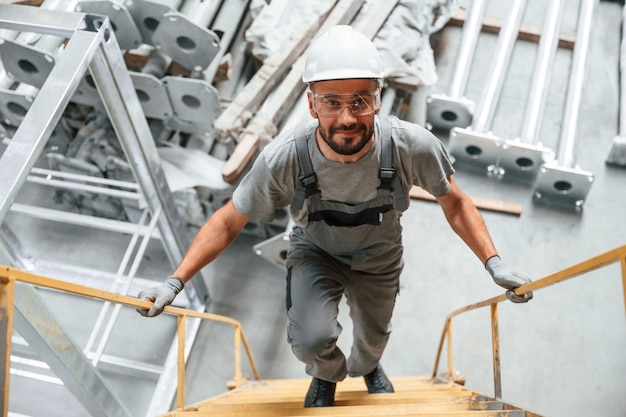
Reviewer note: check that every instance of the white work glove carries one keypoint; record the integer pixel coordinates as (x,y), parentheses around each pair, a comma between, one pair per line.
(508,279)
(161,296)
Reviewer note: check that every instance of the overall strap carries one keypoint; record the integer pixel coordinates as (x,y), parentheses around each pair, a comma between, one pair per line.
(307,181)
(389,180)
(386,171)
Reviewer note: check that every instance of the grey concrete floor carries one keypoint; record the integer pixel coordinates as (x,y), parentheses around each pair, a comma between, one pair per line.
(562,354)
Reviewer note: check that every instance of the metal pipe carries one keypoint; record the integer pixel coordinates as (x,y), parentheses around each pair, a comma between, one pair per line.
(617,154)
(200,12)
(469,38)
(538,92)
(486,107)
(453,110)
(622,91)
(566,153)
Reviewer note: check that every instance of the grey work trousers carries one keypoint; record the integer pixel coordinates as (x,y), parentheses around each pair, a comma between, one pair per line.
(315,285)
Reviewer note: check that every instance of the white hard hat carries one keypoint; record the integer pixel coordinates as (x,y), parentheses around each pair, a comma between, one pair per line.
(342,53)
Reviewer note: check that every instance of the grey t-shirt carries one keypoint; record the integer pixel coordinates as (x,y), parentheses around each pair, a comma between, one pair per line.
(418,157)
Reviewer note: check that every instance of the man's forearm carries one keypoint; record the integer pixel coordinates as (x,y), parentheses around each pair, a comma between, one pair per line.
(212,239)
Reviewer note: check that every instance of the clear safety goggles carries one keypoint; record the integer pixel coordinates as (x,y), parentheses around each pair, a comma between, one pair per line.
(360,104)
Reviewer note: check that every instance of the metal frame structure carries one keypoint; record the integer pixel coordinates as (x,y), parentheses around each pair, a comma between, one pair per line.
(91,46)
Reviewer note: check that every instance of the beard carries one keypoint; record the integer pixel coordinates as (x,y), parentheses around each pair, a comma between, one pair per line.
(347,146)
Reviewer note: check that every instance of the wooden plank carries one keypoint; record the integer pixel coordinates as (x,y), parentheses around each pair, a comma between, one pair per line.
(526,32)
(370,410)
(364,412)
(481,203)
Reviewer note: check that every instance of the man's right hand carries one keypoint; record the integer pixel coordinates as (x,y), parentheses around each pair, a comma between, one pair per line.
(161,296)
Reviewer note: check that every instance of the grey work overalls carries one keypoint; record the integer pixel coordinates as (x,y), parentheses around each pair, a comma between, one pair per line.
(351,249)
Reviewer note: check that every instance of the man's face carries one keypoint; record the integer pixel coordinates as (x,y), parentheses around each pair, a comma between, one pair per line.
(345,110)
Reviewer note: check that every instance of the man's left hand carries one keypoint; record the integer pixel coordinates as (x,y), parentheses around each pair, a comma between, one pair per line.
(508,279)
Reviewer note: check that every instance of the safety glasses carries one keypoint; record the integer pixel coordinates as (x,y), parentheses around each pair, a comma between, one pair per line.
(360,104)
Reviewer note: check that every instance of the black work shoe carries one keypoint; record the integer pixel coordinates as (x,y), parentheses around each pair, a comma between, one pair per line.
(321,394)
(377,382)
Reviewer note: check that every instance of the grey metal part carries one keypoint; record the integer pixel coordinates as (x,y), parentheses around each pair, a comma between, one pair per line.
(24,63)
(481,150)
(193,100)
(617,154)
(152,95)
(523,160)
(86,93)
(38,326)
(147,16)
(14,106)
(563,186)
(227,24)
(126,31)
(274,249)
(190,45)
(446,112)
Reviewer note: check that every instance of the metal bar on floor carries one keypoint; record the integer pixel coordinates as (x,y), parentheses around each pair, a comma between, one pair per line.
(445,111)
(617,154)
(524,156)
(476,146)
(561,181)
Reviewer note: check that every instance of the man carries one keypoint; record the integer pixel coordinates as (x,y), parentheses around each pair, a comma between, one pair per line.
(346,176)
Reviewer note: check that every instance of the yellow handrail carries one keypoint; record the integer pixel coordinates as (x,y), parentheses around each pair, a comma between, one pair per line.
(616,255)
(9,275)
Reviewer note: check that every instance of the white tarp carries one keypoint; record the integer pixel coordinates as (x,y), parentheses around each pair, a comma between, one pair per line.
(403,41)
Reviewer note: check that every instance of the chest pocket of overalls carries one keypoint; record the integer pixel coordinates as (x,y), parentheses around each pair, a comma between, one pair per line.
(342,228)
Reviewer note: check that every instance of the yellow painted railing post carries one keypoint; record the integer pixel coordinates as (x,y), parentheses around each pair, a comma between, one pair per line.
(623,262)
(180,389)
(495,346)
(7,288)
(237,355)
(450,364)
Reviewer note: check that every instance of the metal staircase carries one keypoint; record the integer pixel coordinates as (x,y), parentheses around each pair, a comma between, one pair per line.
(433,395)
